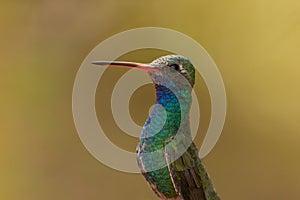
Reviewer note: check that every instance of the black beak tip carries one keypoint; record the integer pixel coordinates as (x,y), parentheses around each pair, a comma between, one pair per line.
(100,63)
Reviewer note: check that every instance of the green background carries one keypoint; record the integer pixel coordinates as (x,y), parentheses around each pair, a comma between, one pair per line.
(255,44)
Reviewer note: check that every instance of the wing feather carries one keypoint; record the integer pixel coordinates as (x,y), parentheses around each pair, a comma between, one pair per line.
(185,176)
(189,176)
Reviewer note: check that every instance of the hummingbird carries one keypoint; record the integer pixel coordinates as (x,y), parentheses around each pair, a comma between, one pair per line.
(166,154)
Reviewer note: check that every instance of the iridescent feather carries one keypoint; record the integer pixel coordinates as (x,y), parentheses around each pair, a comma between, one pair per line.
(184,177)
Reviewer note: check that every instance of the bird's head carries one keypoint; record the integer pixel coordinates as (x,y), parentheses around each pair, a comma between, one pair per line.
(174,66)
(166,70)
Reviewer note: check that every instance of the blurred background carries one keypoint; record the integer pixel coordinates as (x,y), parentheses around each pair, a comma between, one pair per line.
(255,44)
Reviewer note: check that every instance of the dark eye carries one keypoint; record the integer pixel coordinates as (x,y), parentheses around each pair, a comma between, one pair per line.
(175,67)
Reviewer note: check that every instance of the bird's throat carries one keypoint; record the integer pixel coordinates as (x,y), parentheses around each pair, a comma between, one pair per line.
(164,121)
(174,101)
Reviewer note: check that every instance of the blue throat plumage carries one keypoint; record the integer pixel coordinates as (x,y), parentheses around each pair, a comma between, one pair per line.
(166,117)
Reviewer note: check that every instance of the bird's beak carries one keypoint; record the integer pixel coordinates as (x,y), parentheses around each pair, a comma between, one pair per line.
(142,66)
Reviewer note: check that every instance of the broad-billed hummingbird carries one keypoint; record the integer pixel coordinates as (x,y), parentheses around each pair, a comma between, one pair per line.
(166,154)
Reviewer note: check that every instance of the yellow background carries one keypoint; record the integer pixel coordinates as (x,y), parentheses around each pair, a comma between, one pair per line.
(255,44)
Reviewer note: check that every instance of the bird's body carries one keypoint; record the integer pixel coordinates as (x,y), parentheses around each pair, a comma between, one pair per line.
(166,155)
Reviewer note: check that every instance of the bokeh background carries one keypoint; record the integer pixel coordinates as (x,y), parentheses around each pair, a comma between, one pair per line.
(255,44)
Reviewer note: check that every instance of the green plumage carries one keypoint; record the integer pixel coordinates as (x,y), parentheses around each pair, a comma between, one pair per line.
(184,176)
(166,154)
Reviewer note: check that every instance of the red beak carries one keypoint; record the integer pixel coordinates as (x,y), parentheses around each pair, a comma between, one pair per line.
(142,66)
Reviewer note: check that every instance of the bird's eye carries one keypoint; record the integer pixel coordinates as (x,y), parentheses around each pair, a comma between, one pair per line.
(175,67)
